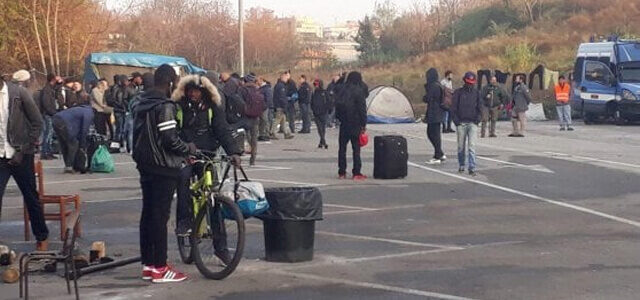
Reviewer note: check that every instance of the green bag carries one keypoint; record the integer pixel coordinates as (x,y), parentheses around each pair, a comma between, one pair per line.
(102,162)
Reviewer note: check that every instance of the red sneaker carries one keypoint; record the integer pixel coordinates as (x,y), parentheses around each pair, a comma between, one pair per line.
(359,177)
(166,275)
(147,272)
(342,176)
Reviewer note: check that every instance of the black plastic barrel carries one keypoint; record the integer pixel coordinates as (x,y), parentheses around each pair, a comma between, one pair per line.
(289,224)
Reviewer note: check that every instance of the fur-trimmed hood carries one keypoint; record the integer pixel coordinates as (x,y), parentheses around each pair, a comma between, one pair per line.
(203,82)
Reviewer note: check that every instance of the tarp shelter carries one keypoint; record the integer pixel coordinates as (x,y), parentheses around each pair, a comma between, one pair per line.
(547,78)
(389,105)
(106,65)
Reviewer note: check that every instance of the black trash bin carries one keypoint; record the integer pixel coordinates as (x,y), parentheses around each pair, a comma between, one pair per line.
(289,224)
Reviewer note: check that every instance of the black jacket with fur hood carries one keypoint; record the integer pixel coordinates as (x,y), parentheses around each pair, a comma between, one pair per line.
(204,122)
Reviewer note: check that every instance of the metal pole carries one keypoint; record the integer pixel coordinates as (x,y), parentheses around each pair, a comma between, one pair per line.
(241,24)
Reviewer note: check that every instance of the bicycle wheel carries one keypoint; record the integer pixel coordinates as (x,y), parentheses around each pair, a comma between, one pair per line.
(218,240)
(184,247)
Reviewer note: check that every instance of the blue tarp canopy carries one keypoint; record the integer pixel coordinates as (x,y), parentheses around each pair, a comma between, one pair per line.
(134,60)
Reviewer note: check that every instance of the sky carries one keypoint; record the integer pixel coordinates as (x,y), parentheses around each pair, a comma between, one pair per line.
(325,12)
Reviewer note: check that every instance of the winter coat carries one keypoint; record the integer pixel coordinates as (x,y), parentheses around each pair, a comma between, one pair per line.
(304,93)
(521,98)
(203,123)
(78,120)
(353,109)
(434,98)
(280,95)
(158,147)
(25,121)
(267,92)
(493,96)
(467,105)
(321,104)
(48,100)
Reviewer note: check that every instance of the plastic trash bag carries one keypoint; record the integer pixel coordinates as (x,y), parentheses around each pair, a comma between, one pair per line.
(102,162)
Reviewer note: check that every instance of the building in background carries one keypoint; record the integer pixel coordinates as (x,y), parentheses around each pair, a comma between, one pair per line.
(307,27)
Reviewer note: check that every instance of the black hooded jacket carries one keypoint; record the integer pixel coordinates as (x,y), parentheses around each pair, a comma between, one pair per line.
(321,104)
(158,148)
(434,97)
(351,106)
(467,105)
(304,93)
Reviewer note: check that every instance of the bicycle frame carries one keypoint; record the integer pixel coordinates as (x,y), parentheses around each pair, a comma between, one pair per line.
(208,184)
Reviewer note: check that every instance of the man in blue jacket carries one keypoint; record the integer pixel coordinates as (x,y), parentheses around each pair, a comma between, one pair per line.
(280,102)
(466,112)
(72,128)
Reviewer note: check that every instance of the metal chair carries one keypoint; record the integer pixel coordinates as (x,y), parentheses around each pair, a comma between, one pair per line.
(65,256)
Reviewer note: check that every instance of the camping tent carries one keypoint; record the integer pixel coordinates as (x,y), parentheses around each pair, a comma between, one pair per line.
(388,105)
(106,65)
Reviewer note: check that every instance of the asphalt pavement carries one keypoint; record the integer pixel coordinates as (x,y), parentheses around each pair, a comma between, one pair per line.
(554,215)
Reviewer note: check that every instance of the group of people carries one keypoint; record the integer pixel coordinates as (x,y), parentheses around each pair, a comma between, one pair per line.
(467,107)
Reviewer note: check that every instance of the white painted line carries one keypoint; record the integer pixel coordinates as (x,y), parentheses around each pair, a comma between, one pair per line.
(537,168)
(392,241)
(86,180)
(117,164)
(354,211)
(290,182)
(398,255)
(348,207)
(564,155)
(269,167)
(370,285)
(531,196)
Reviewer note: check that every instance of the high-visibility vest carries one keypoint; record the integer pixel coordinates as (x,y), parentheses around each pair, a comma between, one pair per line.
(562,93)
(180,116)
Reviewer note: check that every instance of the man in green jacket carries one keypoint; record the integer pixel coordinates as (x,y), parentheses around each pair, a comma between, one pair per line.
(493,99)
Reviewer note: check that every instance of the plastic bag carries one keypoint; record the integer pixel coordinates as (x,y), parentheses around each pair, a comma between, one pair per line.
(102,162)
(248,195)
(363,139)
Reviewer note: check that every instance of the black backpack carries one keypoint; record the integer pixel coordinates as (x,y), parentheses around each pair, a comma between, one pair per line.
(234,108)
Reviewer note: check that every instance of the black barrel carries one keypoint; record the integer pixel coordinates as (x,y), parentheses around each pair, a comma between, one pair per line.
(289,224)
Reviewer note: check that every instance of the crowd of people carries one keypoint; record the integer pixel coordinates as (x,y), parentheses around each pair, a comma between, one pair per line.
(468,108)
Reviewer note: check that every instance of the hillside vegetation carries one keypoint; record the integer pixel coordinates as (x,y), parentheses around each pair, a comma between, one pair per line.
(552,40)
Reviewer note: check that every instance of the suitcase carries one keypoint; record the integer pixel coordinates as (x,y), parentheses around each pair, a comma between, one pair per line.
(390,157)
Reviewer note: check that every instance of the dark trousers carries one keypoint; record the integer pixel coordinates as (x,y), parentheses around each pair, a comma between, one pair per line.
(305,111)
(344,139)
(101,121)
(184,208)
(68,145)
(120,122)
(291,116)
(435,137)
(157,193)
(24,176)
(321,123)
(252,137)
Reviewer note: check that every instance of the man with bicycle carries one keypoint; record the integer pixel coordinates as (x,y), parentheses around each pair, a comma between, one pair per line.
(201,121)
(159,155)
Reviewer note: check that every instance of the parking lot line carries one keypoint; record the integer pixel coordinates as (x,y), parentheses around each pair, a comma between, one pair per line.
(370,285)
(392,241)
(532,196)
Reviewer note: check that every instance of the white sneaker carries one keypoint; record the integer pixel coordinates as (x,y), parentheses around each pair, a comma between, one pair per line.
(433,161)
(443,158)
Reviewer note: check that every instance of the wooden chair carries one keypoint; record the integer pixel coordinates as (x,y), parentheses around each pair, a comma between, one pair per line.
(62,201)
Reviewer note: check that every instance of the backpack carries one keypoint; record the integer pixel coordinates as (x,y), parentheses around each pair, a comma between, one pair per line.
(255,104)
(447,96)
(234,108)
(343,105)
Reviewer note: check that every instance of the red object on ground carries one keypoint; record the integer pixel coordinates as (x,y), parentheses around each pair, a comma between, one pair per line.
(364,139)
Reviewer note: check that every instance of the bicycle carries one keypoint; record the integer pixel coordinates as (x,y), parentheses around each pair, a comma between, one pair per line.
(218,222)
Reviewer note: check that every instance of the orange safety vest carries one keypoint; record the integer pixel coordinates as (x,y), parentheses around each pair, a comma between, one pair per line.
(562,93)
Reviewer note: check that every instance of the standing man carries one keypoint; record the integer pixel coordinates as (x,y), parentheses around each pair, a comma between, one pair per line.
(447,83)
(253,99)
(435,111)
(494,98)
(234,104)
(48,104)
(351,111)
(159,155)
(332,90)
(20,127)
(304,101)
(267,116)
(280,102)
(102,111)
(72,128)
(521,100)
(321,107)
(466,112)
(562,91)
(292,96)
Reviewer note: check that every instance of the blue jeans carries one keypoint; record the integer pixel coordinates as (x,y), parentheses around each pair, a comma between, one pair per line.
(47,136)
(467,136)
(128,132)
(120,121)
(305,111)
(564,115)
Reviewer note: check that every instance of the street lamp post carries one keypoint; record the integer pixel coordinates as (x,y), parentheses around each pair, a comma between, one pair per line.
(241,24)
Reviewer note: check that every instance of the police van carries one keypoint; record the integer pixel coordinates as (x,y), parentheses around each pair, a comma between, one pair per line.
(606,81)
